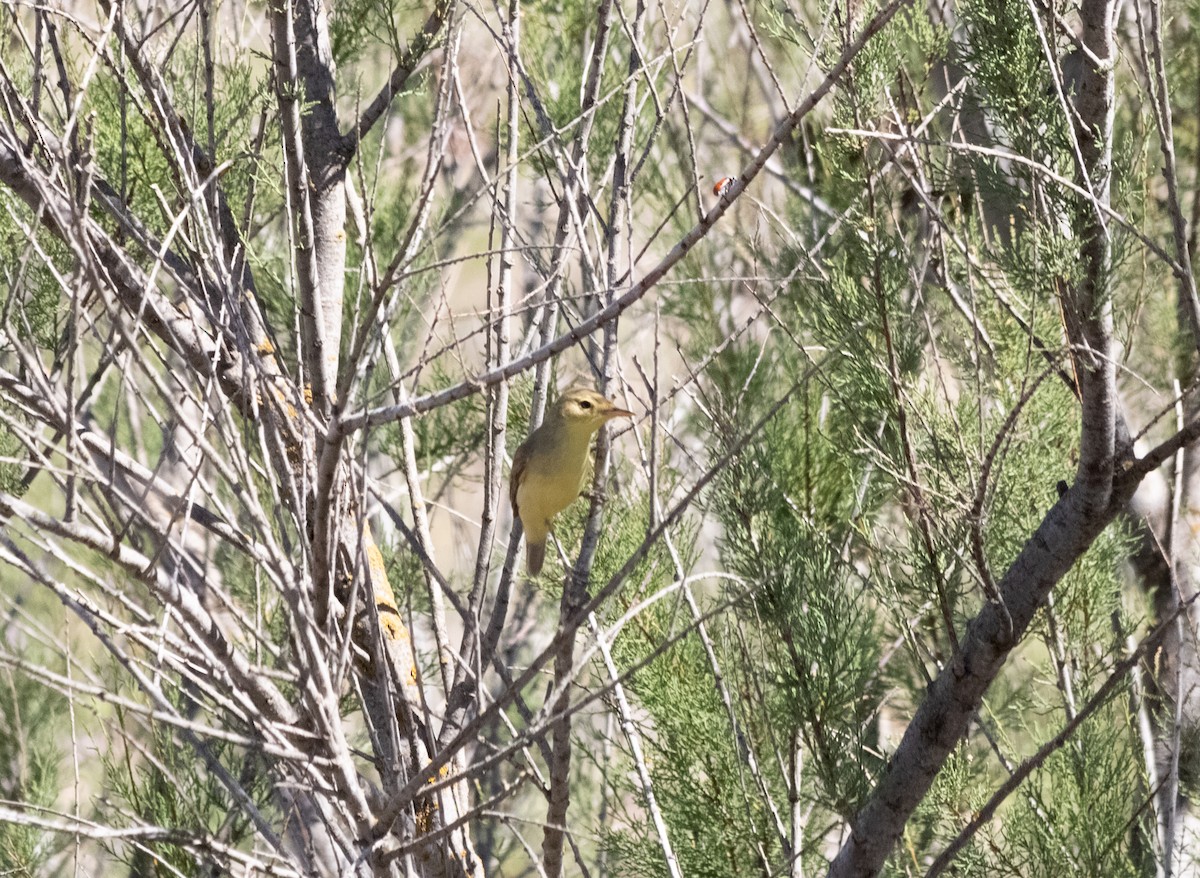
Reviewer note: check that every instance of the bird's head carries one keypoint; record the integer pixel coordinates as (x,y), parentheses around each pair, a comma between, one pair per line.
(581,408)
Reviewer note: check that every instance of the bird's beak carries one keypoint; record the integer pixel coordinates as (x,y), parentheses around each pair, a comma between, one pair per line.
(615,412)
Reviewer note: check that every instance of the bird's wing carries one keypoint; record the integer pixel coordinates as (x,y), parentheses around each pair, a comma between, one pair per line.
(520,460)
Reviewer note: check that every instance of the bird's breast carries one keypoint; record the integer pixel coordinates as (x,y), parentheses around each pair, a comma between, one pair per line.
(549,491)
(549,485)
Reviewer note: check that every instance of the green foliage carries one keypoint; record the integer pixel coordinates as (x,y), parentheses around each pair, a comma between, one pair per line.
(405,576)
(25,275)
(167,790)
(450,434)
(556,38)
(130,157)
(1008,62)
(818,514)
(1073,816)
(30,717)
(12,473)
(362,27)
(275,297)
(694,759)
(955,797)
(786,503)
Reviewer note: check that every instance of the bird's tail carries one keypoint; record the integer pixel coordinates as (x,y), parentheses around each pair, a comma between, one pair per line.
(535,556)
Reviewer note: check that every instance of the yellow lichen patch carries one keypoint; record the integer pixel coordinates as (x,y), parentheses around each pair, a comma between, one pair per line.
(265,348)
(375,561)
(288,409)
(308,395)
(392,627)
(425,816)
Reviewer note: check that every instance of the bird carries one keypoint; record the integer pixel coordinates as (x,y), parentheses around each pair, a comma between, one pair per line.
(548,467)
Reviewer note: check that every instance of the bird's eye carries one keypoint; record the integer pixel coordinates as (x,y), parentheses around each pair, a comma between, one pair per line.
(584,404)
